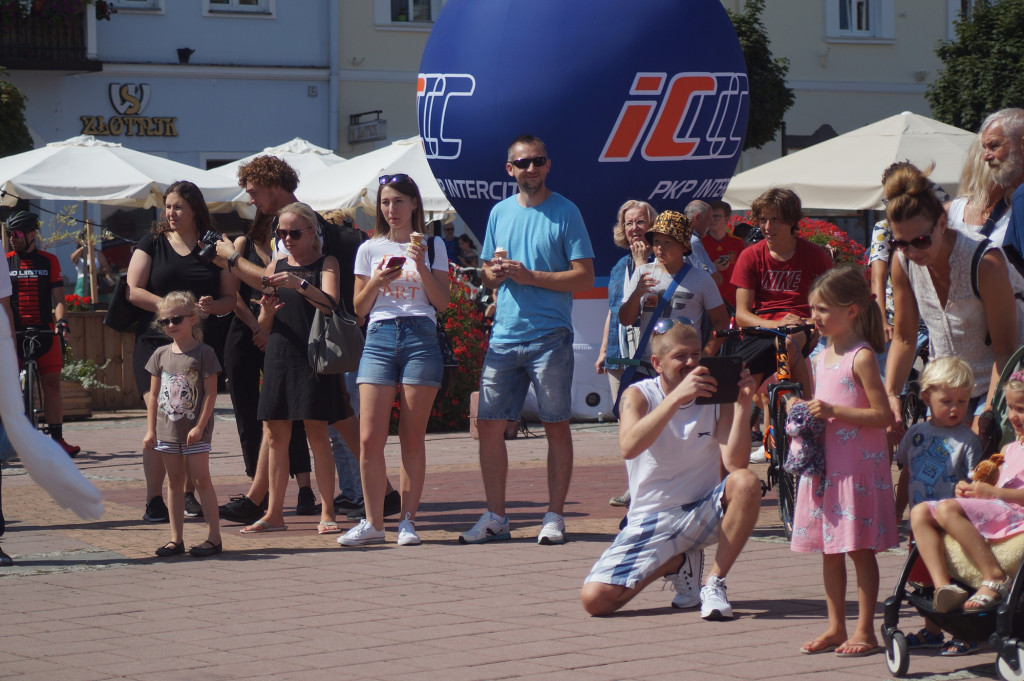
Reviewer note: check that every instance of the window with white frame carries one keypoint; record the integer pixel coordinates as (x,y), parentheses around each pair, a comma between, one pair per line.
(138,4)
(411,13)
(239,6)
(860,19)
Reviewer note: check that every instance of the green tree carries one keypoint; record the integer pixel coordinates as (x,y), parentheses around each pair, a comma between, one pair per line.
(980,65)
(14,136)
(766,75)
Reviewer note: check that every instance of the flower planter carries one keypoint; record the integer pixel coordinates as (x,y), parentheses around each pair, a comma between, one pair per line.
(77,401)
(91,340)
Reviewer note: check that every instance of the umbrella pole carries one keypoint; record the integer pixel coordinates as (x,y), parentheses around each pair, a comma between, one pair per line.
(90,253)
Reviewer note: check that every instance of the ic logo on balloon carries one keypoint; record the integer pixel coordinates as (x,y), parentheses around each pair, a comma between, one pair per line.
(434,92)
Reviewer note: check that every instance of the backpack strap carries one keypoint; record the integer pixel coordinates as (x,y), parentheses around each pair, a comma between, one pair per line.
(995,216)
(979,253)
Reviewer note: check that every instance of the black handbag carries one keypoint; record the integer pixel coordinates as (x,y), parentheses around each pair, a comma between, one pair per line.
(122,315)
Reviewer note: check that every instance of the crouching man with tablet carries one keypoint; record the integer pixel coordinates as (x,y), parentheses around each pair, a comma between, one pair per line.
(686,456)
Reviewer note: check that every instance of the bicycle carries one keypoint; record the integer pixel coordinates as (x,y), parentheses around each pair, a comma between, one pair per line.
(776,443)
(31,384)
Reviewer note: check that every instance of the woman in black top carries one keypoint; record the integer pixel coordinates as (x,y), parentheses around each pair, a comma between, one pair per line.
(164,261)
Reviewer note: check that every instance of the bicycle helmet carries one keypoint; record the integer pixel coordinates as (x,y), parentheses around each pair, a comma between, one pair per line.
(23,221)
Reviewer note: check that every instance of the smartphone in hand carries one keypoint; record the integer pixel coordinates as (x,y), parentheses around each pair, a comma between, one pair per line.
(394,261)
(725,370)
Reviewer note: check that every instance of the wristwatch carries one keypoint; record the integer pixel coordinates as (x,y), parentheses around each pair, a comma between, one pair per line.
(233,258)
(303,284)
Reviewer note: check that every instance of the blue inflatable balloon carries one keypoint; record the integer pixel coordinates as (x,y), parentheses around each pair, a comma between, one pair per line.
(635,100)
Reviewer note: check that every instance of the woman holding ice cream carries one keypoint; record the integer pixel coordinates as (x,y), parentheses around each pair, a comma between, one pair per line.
(400,293)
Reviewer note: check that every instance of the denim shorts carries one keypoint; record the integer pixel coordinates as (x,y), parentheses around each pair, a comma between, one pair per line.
(510,368)
(402,351)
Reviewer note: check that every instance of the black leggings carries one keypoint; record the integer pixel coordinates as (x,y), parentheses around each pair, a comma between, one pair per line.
(243,363)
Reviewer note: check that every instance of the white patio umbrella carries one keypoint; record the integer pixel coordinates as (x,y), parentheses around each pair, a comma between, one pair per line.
(87,169)
(348,184)
(305,157)
(845,172)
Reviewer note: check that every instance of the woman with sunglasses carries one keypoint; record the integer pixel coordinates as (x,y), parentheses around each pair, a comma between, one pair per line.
(164,261)
(400,292)
(294,288)
(962,287)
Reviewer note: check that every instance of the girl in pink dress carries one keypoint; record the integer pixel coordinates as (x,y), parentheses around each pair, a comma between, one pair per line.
(850,508)
(979,512)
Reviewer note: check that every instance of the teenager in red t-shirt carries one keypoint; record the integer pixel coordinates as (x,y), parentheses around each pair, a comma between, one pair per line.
(723,248)
(772,280)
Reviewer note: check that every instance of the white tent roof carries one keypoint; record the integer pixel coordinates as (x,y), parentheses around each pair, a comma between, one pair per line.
(305,157)
(86,169)
(348,184)
(845,172)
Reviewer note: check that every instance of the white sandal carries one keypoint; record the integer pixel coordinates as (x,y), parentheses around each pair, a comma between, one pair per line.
(986,602)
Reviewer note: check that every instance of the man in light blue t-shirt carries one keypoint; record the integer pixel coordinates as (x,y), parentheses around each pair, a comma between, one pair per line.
(536,253)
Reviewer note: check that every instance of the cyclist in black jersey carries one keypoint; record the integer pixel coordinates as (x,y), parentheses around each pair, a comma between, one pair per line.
(37,296)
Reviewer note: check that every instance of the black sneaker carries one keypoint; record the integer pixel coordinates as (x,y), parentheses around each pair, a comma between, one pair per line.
(193,509)
(343,504)
(240,509)
(392,506)
(5,560)
(156,511)
(306,504)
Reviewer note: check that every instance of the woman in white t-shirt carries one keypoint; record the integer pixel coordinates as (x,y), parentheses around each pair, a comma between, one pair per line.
(399,292)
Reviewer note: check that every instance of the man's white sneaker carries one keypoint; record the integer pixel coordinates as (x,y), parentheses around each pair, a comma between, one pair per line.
(553,530)
(362,534)
(407,532)
(686,582)
(490,527)
(713,603)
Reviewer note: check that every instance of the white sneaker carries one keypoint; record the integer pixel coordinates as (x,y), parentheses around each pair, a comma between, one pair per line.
(407,532)
(362,534)
(686,582)
(490,527)
(713,603)
(553,530)
(758,455)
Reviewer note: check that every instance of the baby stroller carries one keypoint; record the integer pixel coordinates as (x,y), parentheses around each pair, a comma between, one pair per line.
(1002,626)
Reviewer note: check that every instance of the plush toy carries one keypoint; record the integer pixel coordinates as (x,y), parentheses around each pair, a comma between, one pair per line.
(806,454)
(988,470)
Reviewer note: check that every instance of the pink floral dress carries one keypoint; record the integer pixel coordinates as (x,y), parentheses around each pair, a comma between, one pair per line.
(852,508)
(994,518)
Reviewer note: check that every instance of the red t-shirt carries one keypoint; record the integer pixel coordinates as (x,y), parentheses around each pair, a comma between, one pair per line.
(730,245)
(781,286)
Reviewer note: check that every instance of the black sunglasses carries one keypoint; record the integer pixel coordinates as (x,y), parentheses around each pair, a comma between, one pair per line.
(524,163)
(290,233)
(399,177)
(920,243)
(176,320)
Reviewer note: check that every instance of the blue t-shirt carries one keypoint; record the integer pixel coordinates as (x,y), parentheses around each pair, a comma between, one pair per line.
(938,459)
(544,238)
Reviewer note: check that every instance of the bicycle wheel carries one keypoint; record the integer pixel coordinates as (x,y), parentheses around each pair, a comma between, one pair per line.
(32,391)
(785,482)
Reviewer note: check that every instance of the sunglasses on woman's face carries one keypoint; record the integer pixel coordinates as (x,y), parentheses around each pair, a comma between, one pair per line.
(175,320)
(389,179)
(920,243)
(292,234)
(524,163)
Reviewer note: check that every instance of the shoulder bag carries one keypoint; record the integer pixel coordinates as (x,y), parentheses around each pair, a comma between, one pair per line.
(335,342)
(122,315)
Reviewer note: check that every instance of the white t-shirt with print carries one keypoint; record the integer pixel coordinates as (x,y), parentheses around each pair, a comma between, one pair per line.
(404,297)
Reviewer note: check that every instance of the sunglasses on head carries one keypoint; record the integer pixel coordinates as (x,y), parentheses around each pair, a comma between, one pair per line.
(290,233)
(667,323)
(524,163)
(175,320)
(398,177)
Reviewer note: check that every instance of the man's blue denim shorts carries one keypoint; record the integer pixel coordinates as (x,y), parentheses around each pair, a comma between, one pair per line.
(510,368)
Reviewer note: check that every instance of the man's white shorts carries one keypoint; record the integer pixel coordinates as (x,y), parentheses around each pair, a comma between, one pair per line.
(650,541)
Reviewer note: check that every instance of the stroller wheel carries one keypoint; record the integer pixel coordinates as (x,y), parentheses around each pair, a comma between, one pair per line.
(897,654)
(1006,670)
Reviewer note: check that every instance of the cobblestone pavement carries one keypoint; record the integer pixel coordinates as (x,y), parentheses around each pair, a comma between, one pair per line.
(88,600)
